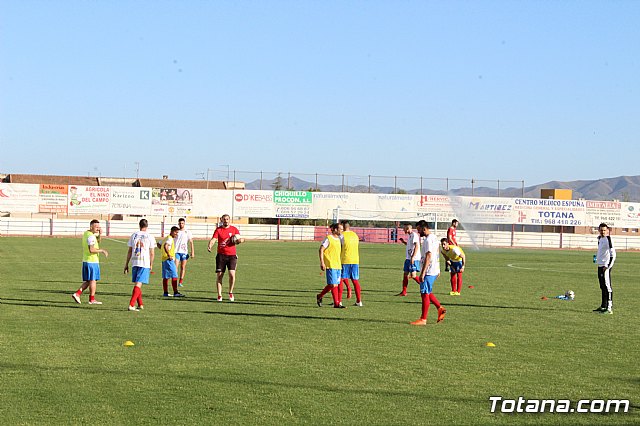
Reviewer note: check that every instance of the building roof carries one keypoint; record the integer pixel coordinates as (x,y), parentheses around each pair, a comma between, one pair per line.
(113,181)
(52,180)
(177,183)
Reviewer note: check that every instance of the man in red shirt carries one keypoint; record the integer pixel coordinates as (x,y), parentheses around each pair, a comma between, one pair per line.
(227,237)
(451,237)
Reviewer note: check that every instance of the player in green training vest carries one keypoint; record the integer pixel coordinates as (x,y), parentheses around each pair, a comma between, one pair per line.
(91,262)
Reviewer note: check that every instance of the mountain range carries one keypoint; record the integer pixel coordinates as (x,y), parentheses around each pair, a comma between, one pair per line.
(622,188)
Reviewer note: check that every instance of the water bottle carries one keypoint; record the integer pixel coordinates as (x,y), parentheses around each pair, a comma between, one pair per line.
(595,258)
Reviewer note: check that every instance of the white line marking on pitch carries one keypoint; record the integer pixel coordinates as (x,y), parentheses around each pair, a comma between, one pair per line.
(117,241)
(511,265)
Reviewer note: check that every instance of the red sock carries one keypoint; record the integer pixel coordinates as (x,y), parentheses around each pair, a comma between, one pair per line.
(140,297)
(405,283)
(180,280)
(79,292)
(134,295)
(340,290)
(459,274)
(346,284)
(417,279)
(174,284)
(425,305)
(356,286)
(92,298)
(327,288)
(335,295)
(434,300)
(454,281)
(165,285)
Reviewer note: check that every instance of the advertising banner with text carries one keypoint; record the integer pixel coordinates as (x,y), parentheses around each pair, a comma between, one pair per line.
(494,210)
(53,198)
(89,199)
(19,197)
(130,201)
(537,211)
(608,212)
(253,204)
(629,215)
(293,204)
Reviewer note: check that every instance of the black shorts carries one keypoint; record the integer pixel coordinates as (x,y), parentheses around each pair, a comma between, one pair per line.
(224,261)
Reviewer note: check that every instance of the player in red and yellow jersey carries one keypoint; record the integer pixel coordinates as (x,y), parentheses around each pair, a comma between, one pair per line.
(456,260)
(350,258)
(329,252)
(451,237)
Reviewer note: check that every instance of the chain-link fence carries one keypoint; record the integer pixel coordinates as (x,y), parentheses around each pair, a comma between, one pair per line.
(371,183)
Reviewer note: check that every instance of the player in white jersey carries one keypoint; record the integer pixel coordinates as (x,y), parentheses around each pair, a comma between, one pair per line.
(184,242)
(429,272)
(412,260)
(141,254)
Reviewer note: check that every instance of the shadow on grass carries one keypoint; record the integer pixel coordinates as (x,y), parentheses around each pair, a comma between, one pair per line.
(50,304)
(309,317)
(28,369)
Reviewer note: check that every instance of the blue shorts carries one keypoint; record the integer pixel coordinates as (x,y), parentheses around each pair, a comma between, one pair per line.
(182,256)
(140,275)
(411,267)
(333,276)
(169,269)
(426,287)
(351,271)
(90,271)
(455,266)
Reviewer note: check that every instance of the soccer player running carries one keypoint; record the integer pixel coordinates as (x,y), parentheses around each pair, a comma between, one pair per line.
(227,257)
(350,259)
(184,241)
(169,268)
(412,261)
(605,259)
(451,237)
(456,260)
(429,272)
(141,253)
(91,262)
(329,252)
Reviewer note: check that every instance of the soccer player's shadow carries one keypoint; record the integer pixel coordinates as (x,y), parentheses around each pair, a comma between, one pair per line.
(51,304)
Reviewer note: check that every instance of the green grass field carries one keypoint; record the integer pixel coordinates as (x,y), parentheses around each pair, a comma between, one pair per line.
(274,357)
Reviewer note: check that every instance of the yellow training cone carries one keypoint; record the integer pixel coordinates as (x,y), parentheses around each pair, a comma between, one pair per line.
(128,343)
(490,345)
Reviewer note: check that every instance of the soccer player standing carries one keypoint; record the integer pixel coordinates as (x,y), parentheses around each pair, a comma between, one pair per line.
(429,272)
(412,261)
(329,252)
(456,260)
(451,237)
(350,259)
(141,253)
(227,257)
(91,262)
(184,241)
(169,268)
(605,259)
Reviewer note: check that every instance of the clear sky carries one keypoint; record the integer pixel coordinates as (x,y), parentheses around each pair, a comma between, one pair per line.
(509,90)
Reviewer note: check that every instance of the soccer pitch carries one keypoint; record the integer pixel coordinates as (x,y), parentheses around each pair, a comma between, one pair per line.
(274,357)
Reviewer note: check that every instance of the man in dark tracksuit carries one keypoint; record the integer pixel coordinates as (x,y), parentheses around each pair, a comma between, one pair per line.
(605,259)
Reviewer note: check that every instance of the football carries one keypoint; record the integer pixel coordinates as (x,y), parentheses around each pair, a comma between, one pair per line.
(570,295)
(236,239)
